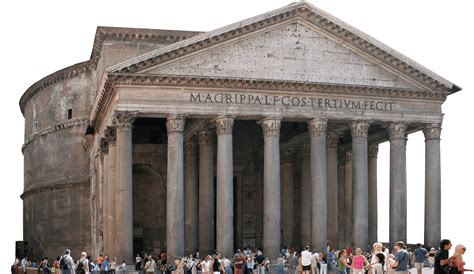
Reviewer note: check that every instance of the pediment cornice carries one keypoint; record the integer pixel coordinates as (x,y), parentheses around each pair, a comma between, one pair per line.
(118,79)
(328,24)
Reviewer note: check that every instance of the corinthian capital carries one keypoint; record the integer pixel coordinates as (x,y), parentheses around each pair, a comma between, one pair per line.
(224,125)
(123,120)
(110,134)
(190,148)
(175,123)
(432,131)
(305,149)
(373,150)
(360,129)
(271,127)
(205,137)
(103,146)
(397,131)
(332,140)
(317,127)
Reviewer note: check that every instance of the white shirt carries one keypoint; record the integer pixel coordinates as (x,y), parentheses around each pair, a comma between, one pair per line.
(306,258)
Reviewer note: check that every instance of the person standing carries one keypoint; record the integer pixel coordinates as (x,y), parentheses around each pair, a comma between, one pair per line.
(260,260)
(138,262)
(306,258)
(458,261)
(420,255)
(401,259)
(442,256)
(150,265)
(83,264)
(375,262)
(359,262)
(67,266)
(431,256)
(342,264)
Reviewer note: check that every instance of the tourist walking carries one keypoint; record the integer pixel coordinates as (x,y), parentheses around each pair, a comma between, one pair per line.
(66,263)
(402,259)
(150,265)
(217,266)
(138,262)
(342,263)
(306,258)
(359,262)
(420,255)
(458,261)
(442,256)
(431,256)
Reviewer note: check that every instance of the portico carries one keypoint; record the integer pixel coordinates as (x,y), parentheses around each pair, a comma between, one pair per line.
(241,128)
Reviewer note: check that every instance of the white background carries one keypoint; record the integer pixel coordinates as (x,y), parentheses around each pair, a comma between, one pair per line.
(41,37)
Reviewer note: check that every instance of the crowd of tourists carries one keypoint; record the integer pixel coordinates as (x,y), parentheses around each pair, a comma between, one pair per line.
(378,260)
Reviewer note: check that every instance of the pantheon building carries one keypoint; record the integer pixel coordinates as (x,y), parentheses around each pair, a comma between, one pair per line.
(262,133)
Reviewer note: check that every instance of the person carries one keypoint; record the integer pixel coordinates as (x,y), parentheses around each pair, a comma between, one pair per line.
(377,260)
(138,262)
(82,264)
(306,258)
(342,262)
(280,268)
(420,255)
(217,266)
(299,268)
(45,266)
(24,263)
(315,263)
(402,259)
(331,261)
(359,262)
(206,265)
(105,266)
(238,262)
(458,261)
(55,268)
(250,264)
(150,265)
(431,255)
(442,256)
(122,268)
(68,263)
(390,261)
(99,261)
(323,263)
(260,259)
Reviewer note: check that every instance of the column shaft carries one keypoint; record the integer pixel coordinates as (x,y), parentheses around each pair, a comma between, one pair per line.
(360,205)
(319,204)
(191,202)
(348,201)
(206,193)
(112,187)
(305,198)
(287,186)
(225,187)
(373,150)
(174,191)
(432,185)
(398,184)
(124,121)
(271,188)
(104,174)
(332,207)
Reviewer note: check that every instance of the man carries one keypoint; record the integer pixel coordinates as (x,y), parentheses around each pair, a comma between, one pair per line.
(260,260)
(138,262)
(401,259)
(67,266)
(99,261)
(306,257)
(150,265)
(24,262)
(420,255)
(442,256)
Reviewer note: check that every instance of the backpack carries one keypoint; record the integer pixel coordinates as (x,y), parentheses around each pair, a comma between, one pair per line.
(63,263)
(80,267)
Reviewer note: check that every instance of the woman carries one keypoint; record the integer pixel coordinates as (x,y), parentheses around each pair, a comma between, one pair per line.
(431,256)
(342,262)
(359,262)
(300,265)
(217,266)
(458,261)
(377,260)
(206,265)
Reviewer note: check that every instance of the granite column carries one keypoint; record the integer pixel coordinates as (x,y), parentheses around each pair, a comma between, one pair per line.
(373,151)
(360,191)
(175,188)
(432,184)
(191,201)
(225,187)
(398,183)
(287,186)
(271,187)
(305,197)
(110,135)
(332,141)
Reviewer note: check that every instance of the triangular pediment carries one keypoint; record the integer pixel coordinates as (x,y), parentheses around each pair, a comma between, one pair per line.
(297,43)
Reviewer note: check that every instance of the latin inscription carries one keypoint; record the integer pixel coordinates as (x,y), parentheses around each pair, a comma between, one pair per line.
(293,101)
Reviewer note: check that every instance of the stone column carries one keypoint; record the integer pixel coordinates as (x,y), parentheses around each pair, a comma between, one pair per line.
(191,195)
(332,141)
(398,183)
(286,208)
(206,193)
(124,122)
(432,184)
(373,151)
(319,188)
(175,188)
(225,187)
(360,187)
(104,169)
(110,135)
(305,197)
(271,187)
(348,201)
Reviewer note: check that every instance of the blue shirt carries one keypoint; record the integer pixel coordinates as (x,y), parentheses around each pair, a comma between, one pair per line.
(402,258)
(420,254)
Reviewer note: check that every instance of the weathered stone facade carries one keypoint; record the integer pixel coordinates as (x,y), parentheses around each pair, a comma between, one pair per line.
(262,133)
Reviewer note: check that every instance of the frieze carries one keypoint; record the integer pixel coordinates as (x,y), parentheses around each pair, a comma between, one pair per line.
(317,127)
(224,125)
(397,131)
(271,127)
(432,132)
(123,120)
(360,129)
(46,131)
(175,123)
